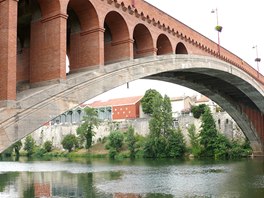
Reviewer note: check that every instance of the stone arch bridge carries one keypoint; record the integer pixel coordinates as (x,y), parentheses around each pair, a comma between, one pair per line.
(109,43)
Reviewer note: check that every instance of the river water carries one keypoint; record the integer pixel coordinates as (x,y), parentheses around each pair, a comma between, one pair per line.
(92,178)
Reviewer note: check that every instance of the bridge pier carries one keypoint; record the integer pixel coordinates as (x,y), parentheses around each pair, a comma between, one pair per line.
(8,46)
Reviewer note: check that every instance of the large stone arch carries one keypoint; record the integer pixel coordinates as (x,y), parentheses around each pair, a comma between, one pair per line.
(83,35)
(164,45)
(143,42)
(181,49)
(232,88)
(117,42)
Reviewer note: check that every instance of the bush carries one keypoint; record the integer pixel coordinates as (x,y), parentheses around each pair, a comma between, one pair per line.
(29,145)
(116,140)
(197,111)
(47,146)
(69,142)
(176,144)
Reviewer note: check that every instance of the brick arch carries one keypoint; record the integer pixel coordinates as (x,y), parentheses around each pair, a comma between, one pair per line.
(143,41)
(83,34)
(86,14)
(117,43)
(181,49)
(164,45)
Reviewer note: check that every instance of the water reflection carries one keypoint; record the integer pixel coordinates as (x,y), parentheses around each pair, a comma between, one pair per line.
(132,179)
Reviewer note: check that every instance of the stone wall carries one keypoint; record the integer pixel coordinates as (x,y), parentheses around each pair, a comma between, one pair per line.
(56,133)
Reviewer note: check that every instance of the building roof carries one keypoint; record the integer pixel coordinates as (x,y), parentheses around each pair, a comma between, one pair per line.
(116,102)
(202,99)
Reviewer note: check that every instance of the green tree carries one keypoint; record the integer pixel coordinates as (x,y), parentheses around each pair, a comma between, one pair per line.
(29,145)
(176,145)
(197,111)
(69,142)
(86,130)
(167,116)
(116,140)
(17,146)
(208,133)
(131,141)
(156,122)
(148,99)
(47,146)
(194,140)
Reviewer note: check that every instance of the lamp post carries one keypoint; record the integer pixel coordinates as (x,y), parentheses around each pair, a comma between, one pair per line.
(218,28)
(257,59)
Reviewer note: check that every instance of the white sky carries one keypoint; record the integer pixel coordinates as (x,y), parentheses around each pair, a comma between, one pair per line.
(243,28)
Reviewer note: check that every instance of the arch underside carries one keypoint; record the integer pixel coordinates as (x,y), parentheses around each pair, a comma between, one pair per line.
(223,93)
(223,83)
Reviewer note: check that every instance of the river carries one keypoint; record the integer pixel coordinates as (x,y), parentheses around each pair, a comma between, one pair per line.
(102,178)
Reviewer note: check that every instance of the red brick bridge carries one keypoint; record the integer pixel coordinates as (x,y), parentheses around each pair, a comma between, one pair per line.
(109,43)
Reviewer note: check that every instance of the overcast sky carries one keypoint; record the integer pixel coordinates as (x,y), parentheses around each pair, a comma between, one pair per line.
(243,28)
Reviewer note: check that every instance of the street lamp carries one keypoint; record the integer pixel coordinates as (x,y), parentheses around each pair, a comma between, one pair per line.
(218,28)
(257,59)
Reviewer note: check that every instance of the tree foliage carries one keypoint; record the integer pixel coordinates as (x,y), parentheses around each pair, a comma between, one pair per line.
(176,146)
(208,133)
(17,146)
(147,100)
(29,145)
(197,111)
(194,140)
(131,141)
(86,130)
(163,139)
(69,142)
(116,140)
(47,146)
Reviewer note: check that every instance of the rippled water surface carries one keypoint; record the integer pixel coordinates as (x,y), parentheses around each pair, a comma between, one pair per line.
(133,179)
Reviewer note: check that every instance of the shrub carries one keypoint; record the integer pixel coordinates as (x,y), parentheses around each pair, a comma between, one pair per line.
(116,140)
(69,142)
(47,146)
(29,145)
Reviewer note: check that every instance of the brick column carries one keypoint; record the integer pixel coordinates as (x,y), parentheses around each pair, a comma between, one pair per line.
(86,49)
(48,49)
(8,47)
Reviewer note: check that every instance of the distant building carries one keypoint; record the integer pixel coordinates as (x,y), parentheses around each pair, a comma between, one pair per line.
(118,109)
(181,105)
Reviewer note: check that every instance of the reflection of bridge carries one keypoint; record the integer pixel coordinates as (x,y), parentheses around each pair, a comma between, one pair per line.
(110,43)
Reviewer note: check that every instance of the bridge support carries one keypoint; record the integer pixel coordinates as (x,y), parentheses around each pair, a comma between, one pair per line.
(8,46)
(48,49)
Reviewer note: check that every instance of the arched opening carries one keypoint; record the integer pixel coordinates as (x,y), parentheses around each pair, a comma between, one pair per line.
(116,38)
(28,11)
(143,42)
(181,49)
(163,45)
(82,35)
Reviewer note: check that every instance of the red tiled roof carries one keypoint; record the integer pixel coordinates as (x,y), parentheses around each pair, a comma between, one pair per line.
(116,102)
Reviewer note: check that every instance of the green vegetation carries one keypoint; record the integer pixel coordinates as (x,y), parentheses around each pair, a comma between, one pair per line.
(47,146)
(69,142)
(86,130)
(197,111)
(163,140)
(115,143)
(147,101)
(29,145)
(131,141)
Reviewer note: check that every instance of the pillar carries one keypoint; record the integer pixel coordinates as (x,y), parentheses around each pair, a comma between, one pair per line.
(48,49)
(8,46)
